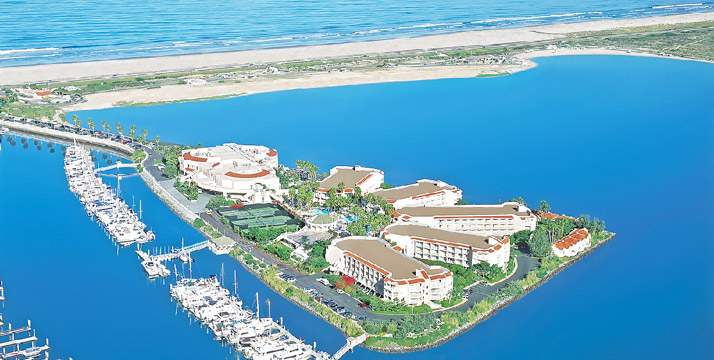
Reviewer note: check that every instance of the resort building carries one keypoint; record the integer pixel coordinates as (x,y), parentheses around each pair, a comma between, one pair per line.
(375,265)
(242,172)
(503,219)
(366,179)
(451,247)
(577,241)
(423,193)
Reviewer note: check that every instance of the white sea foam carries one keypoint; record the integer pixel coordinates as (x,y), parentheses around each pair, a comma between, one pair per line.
(16,51)
(675,6)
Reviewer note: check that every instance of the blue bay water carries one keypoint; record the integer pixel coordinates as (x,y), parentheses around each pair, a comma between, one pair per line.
(35,32)
(629,140)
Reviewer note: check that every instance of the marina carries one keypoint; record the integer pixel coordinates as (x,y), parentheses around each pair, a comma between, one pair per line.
(253,336)
(101,202)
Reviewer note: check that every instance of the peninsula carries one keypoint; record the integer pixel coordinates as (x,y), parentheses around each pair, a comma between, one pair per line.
(149,81)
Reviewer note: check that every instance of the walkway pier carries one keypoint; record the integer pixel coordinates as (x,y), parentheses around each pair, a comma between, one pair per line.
(118,165)
(351,343)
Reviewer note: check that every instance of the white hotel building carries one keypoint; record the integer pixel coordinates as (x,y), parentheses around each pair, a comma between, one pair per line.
(449,246)
(423,193)
(242,172)
(374,264)
(367,179)
(577,241)
(503,219)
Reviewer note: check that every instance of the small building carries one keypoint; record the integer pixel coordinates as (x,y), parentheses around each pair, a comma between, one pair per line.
(196,82)
(503,219)
(397,277)
(321,222)
(242,172)
(423,193)
(367,179)
(577,241)
(449,246)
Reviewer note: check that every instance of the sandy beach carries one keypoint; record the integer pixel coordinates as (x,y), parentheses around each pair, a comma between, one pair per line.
(168,64)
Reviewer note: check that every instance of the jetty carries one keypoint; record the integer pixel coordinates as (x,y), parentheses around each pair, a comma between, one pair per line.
(14,346)
(351,344)
(118,165)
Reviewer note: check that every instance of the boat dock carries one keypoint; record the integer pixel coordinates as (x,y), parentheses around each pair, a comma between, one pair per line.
(255,337)
(101,202)
(11,345)
(153,263)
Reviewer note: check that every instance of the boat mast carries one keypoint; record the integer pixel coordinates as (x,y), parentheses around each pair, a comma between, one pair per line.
(235,283)
(222,275)
(268,301)
(257,302)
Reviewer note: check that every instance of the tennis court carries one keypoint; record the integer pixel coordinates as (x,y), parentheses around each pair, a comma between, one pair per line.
(258,215)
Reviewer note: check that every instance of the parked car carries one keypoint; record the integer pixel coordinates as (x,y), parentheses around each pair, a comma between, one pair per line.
(362,318)
(339,291)
(323,281)
(363,305)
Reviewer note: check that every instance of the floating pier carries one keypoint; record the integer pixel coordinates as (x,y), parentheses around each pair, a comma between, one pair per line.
(11,346)
(153,263)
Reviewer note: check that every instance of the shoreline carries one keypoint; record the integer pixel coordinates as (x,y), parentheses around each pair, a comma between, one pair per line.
(185,93)
(222,60)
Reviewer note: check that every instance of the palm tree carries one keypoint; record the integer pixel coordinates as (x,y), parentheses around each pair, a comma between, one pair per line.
(132,131)
(144,133)
(109,128)
(104,125)
(91,124)
(75,119)
(119,128)
(156,139)
(341,187)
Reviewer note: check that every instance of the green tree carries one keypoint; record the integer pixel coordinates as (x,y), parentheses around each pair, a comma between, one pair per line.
(519,200)
(544,207)
(539,245)
(104,125)
(75,120)
(521,237)
(341,187)
(109,128)
(144,133)
(461,202)
(199,223)
(63,117)
(120,129)
(156,139)
(514,289)
(132,131)
(385,186)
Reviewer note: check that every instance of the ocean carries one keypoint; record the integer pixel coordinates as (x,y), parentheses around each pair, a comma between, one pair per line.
(38,32)
(598,135)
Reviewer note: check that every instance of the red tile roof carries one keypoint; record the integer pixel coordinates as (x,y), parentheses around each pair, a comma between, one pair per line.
(187,156)
(248,176)
(272,153)
(573,238)
(43,93)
